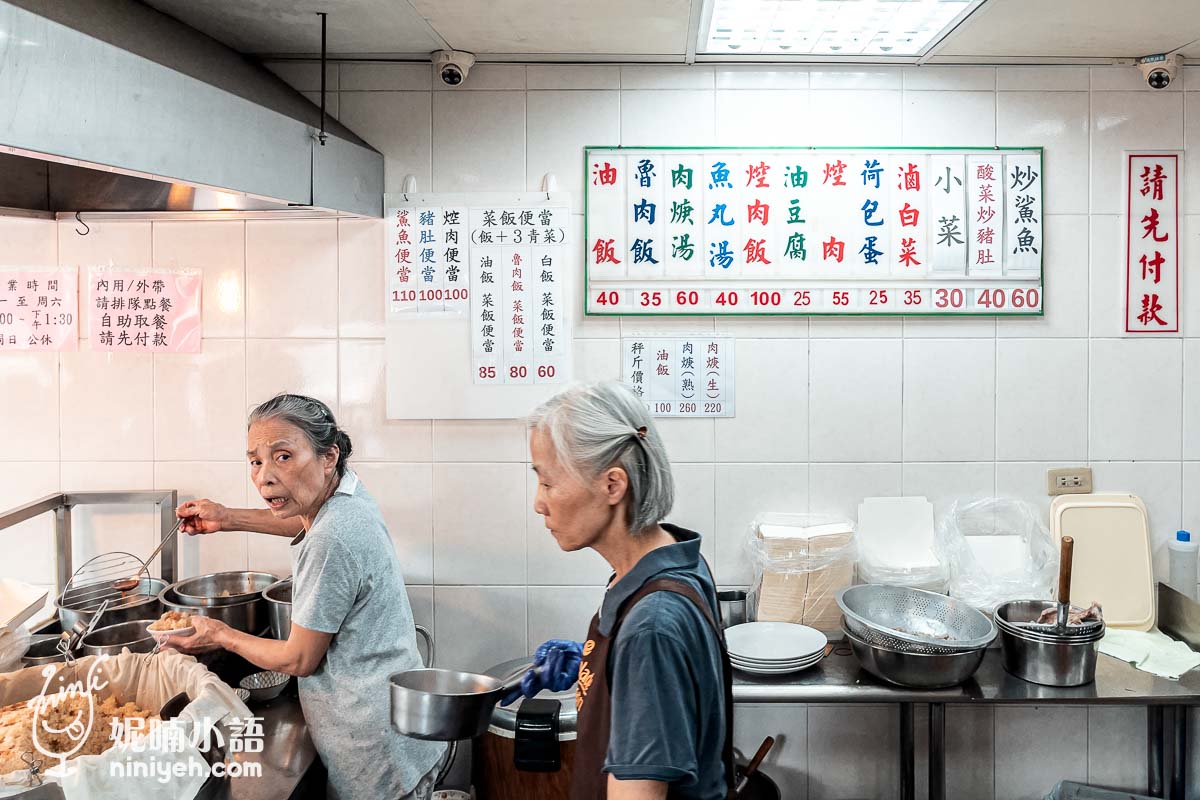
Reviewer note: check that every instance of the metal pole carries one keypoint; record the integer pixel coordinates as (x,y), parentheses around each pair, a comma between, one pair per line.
(937,751)
(321,136)
(1154,751)
(63,568)
(908,790)
(169,557)
(1179,762)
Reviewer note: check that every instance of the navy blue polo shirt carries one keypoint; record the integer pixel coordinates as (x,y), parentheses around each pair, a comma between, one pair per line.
(668,708)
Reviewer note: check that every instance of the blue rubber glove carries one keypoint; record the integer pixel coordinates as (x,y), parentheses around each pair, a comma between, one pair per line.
(555,667)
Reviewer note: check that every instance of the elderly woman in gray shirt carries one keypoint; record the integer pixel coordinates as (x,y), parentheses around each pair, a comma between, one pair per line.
(352,626)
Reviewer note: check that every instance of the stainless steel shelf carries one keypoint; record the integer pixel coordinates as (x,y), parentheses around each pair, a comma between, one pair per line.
(61,504)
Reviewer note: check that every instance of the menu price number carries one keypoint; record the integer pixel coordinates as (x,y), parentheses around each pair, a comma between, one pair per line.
(517,373)
(428,295)
(1018,299)
(841,299)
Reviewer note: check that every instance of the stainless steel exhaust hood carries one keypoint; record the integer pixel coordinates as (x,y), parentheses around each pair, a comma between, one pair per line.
(110,105)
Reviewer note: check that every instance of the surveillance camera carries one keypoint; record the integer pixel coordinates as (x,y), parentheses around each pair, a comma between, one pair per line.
(452,66)
(1160,69)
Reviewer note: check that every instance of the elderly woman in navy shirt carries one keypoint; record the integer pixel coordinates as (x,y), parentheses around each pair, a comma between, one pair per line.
(654,693)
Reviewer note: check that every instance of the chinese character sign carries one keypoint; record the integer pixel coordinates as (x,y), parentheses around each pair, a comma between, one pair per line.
(1152,243)
(38,309)
(426,256)
(689,376)
(723,230)
(518,327)
(144,310)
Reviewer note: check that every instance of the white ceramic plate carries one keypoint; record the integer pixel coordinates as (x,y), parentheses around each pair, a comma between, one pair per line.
(781,667)
(769,664)
(774,641)
(782,662)
(778,670)
(188,631)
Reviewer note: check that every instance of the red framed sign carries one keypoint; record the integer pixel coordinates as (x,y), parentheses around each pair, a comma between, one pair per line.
(1151,243)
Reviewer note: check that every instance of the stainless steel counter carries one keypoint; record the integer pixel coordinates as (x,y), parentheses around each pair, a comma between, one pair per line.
(287,755)
(839,679)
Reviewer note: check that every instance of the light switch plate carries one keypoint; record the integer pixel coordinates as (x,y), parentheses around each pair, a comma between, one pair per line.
(1069,480)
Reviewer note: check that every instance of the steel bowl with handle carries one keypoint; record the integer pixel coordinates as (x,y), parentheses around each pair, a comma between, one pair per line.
(445,706)
(278,597)
(222,588)
(248,616)
(112,639)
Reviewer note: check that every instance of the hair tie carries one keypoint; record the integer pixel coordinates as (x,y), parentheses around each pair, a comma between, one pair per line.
(641,432)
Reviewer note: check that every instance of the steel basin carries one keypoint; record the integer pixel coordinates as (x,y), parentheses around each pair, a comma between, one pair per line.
(248,616)
(279,608)
(917,670)
(444,705)
(82,602)
(112,639)
(207,590)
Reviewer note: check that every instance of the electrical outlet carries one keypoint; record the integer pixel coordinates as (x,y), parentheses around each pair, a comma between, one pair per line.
(1069,480)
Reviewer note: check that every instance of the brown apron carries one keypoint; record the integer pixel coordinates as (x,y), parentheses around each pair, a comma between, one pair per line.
(593,696)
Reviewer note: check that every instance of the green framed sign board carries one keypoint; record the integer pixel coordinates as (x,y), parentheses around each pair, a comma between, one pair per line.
(914,231)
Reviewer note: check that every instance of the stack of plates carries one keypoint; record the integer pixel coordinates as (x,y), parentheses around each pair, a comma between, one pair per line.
(774,648)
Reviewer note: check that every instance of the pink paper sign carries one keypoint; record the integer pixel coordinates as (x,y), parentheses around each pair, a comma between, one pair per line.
(142,310)
(39,309)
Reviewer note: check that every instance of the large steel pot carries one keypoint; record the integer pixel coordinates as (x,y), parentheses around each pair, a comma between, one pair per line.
(1048,659)
(248,616)
(446,706)
(80,603)
(222,588)
(279,608)
(112,639)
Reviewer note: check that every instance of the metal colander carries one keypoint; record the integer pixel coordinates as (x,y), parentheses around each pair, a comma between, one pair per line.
(913,620)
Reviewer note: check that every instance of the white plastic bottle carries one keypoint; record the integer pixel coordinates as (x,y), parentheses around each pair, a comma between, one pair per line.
(1183,563)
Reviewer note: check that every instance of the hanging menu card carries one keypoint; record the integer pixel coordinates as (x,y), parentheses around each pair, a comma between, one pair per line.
(500,266)
(681,376)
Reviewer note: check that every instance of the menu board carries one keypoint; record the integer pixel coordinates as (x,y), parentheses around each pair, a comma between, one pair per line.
(496,341)
(499,265)
(681,376)
(38,309)
(914,231)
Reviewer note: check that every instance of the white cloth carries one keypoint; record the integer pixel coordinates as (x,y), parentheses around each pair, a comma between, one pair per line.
(149,682)
(1150,651)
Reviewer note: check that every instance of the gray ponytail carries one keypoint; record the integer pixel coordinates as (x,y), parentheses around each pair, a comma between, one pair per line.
(313,418)
(593,428)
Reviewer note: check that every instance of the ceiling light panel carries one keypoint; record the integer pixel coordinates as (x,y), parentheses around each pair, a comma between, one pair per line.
(829,27)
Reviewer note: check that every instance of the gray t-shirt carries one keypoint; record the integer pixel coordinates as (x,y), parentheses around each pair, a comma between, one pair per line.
(347,582)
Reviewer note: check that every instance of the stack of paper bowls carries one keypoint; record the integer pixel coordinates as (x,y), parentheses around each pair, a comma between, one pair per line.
(774,648)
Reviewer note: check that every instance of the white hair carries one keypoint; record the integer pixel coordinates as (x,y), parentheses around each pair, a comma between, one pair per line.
(603,425)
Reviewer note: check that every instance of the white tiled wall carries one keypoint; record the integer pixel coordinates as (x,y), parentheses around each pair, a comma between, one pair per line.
(854,407)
